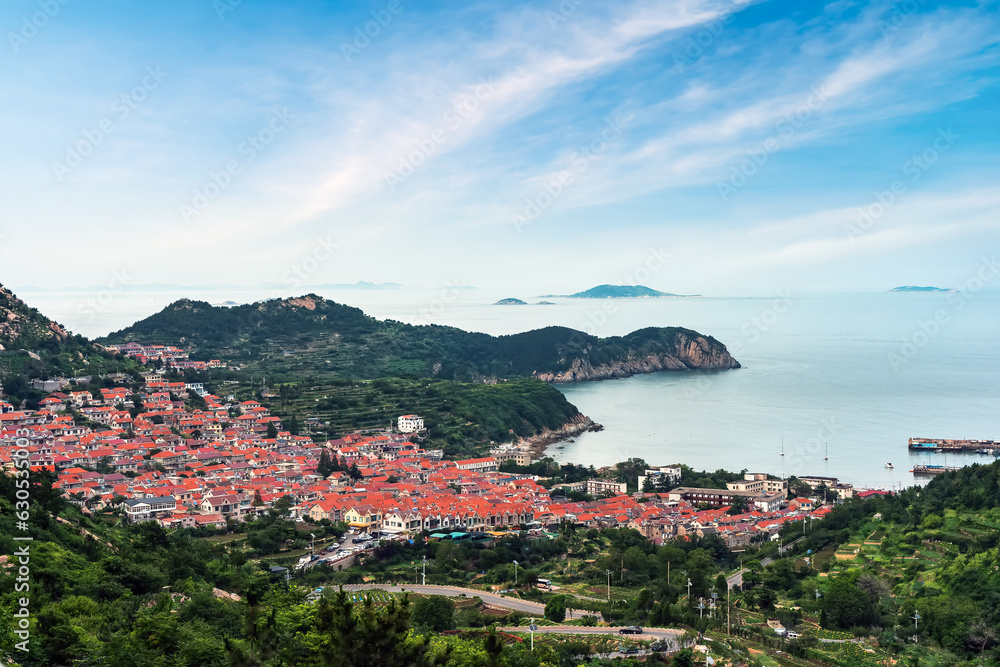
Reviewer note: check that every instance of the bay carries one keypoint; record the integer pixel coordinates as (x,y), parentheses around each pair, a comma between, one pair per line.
(842,380)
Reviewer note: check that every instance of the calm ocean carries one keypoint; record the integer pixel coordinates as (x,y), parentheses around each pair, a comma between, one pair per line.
(844,376)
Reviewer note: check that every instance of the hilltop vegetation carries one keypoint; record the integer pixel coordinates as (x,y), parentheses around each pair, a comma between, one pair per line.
(461,417)
(33,346)
(312,335)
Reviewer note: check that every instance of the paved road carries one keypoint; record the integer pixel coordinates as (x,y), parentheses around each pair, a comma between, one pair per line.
(648,633)
(455,591)
(737,579)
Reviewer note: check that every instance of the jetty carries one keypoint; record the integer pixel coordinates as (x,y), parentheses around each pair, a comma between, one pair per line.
(933,470)
(967,446)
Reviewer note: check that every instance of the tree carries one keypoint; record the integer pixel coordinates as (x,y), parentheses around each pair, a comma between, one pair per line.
(435,612)
(493,645)
(684,658)
(555,609)
(739,506)
(345,636)
(272,431)
(283,504)
(324,467)
(846,605)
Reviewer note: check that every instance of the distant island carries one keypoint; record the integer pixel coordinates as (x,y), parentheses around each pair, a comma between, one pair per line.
(916,288)
(511,302)
(362,284)
(545,303)
(619,292)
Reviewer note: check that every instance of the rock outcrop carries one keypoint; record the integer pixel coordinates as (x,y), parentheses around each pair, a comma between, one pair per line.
(577,425)
(689,353)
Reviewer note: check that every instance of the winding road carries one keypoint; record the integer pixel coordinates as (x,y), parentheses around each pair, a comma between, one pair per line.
(515,604)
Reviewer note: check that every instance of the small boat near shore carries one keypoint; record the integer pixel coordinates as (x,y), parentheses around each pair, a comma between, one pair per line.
(889,465)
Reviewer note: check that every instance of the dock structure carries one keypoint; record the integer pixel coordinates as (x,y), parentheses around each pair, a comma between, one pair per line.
(968,446)
(933,470)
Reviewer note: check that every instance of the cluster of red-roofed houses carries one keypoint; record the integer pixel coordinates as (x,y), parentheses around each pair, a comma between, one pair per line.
(206,467)
(166,354)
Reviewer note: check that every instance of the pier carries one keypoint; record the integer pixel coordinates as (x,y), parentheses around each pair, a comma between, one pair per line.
(967,446)
(933,470)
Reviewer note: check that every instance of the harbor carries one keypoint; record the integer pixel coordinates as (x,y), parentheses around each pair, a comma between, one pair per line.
(967,446)
(933,469)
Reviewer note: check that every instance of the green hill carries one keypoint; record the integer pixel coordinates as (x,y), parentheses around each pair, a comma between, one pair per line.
(33,346)
(310,335)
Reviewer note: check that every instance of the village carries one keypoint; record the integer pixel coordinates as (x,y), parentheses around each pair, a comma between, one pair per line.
(164,460)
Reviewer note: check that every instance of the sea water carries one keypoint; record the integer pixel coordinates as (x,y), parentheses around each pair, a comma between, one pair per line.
(838,382)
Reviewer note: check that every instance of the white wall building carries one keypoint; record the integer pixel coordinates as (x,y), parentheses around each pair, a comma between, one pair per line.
(409,424)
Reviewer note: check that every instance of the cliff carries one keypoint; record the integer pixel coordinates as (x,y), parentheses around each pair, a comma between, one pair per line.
(690,353)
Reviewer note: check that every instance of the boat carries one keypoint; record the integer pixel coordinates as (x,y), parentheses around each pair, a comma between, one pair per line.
(889,465)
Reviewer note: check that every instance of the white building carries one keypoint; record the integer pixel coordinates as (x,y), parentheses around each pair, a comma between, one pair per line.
(599,487)
(149,507)
(656,475)
(409,424)
(759,483)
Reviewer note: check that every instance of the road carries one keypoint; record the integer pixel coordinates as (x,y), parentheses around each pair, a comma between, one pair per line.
(736,580)
(455,591)
(647,633)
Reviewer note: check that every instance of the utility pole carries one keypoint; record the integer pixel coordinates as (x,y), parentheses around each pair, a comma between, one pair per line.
(424,560)
(689,591)
(515,574)
(609,586)
(729,595)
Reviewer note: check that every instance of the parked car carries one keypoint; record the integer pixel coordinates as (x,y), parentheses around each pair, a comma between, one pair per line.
(630,650)
(630,630)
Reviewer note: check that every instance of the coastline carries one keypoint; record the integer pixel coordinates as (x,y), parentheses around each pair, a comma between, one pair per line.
(538,443)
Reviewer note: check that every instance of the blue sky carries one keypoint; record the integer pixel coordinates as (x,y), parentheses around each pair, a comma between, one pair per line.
(557,145)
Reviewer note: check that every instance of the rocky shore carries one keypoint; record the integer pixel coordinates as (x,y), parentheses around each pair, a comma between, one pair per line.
(690,353)
(538,443)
